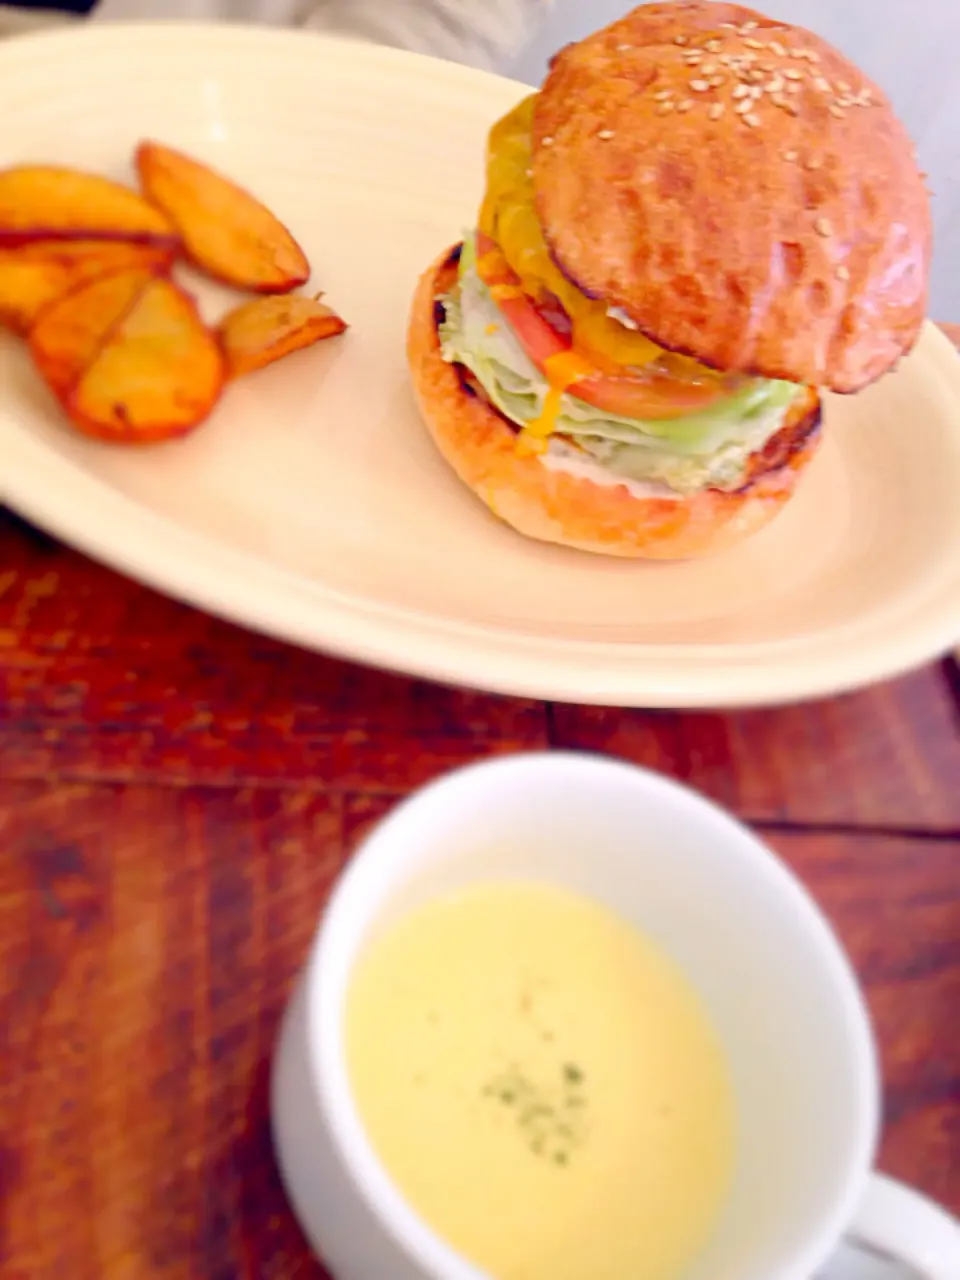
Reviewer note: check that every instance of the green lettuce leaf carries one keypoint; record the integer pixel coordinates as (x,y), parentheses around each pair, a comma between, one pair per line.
(702,450)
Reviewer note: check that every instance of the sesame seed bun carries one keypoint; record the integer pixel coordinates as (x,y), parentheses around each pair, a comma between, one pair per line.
(740,189)
(554,506)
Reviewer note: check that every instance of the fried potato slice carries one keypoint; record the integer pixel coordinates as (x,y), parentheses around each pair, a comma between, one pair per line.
(36,275)
(43,202)
(260,332)
(159,373)
(67,335)
(226,231)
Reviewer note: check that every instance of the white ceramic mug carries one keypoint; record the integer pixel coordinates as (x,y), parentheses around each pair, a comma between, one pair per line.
(779,989)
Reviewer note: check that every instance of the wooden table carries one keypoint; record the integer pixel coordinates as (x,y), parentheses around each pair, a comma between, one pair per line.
(176,796)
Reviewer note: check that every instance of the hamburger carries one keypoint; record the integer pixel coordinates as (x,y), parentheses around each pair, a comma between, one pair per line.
(703,221)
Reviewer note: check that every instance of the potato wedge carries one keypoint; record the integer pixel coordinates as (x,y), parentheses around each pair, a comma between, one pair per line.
(159,373)
(35,275)
(43,202)
(226,231)
(67,335)
(259,332)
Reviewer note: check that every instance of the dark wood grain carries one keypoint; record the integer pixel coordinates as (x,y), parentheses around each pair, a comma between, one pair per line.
(895,903)
(886,757)
(105,679)
(150,935)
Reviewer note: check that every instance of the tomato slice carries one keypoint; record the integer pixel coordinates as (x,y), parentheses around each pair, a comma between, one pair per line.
(649,394)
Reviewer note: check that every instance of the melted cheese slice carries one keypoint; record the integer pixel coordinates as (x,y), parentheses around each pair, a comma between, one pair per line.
(509,218)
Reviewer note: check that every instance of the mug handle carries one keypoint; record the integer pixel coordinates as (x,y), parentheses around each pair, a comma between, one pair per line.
(896,1221)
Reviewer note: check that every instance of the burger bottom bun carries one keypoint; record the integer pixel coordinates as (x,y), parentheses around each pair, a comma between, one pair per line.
(554,506)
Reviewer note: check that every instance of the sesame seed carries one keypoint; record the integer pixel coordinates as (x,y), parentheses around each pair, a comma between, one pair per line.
(699,86)
(693,60)
(743,107)
(714,45)
(843,274)
(717,81)
(741,91)
(747,28)
(767,66)
(624,48)
(844,87)
(823,227)
(791,157)
(810,55)
(752,44)
(837,111)
(685,105)
(663,95)
(605,135)
(793,74)
(547,141)
(823,84)
(846,101)
(752,120)
(778,48)
(757,91)
(664,108)
(717,110)
(680,40)
(814,163)
(776,85)
(725,60)
(794,86)
(709,68)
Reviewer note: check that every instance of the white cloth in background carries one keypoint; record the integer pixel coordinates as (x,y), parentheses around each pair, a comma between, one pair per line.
(481,33)
(909,47)
(15,20)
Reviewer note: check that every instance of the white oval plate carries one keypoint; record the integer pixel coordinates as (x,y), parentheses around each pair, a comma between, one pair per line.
(313,505)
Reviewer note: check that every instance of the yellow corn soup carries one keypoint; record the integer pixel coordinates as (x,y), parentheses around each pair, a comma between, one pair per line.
(543,1085)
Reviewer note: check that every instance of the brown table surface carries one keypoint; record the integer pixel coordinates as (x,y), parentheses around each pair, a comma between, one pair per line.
(176,796)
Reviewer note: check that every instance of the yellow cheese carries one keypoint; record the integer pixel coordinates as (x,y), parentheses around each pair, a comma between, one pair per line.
(509,218)
(562,372)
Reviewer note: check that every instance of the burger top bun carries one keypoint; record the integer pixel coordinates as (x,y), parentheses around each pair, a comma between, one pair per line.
(740,189)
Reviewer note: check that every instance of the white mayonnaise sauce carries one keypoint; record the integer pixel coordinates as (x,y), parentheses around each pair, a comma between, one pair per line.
(561,457)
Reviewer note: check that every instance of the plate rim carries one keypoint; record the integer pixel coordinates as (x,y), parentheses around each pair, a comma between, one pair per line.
(85,511)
